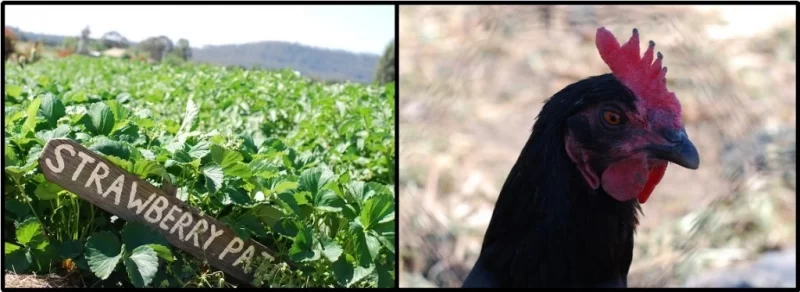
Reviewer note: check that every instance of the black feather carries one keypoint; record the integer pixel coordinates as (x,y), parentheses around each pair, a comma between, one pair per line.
(549,228)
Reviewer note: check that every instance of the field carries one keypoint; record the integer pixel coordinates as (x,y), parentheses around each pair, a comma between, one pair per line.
(473,80)
(304,168)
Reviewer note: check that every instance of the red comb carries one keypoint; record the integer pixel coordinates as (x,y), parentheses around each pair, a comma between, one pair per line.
(648,81)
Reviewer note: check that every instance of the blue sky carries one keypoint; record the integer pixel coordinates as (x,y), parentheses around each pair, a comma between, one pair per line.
(356,28)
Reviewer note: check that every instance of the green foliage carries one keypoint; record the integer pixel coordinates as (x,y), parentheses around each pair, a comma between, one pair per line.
(302,167)
(386,66)
(174,58)
(183,49)
(70,43)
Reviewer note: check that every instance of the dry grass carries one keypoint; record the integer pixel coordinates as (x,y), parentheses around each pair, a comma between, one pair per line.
(13,280)
(474,78)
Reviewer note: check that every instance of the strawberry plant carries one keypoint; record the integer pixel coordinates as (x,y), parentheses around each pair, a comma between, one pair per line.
(304,168)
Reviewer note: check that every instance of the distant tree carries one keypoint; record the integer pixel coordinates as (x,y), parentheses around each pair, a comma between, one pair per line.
(9,43)
(157,47)
(113,39)
(183,49)
(173,58)
(386,69)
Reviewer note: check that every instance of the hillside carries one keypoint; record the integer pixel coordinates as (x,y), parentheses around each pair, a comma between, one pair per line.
(315,62)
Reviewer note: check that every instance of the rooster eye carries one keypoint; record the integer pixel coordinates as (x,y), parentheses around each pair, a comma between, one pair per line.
(612,118)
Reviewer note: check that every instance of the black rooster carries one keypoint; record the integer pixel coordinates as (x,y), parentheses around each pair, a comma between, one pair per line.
(567,213)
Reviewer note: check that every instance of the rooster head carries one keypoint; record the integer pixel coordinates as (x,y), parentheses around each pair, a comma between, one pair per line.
(623,140)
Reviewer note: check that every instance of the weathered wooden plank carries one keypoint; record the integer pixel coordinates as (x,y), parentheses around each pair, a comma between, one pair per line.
(95,179)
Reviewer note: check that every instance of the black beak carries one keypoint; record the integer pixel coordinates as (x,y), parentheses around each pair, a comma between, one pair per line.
(680,151)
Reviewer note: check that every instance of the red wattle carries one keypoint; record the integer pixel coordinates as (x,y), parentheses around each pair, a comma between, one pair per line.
(652,180)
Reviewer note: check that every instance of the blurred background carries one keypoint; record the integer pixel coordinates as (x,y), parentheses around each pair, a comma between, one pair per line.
(473,79)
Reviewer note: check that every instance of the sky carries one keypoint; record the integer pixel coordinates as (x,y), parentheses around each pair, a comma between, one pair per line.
(355,28)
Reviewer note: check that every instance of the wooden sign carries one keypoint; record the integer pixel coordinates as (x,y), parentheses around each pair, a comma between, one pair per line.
(92,177)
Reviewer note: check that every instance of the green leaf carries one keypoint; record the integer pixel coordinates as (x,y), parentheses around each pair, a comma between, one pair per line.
(17,208)
(253,225)
(110,147)
(78,97)
(119,162)
(12,117)
(142,266)
(343,271)
(230,161)
(10,155)
(356,193)
(363,252)
(388,241)
(47,191)
(290,200)
(19,261)
(237,196)
(377,209)
(29,232)
(43,80)
(70,249)
(347,274)
(13,90)
(59,132)
(240,230)
(119,110)
(126,132)
(263,168)
(52,109)
(103,253)
(287,227)
(190,117)
(10,247)
(30,121)
(43,256)
(373,245)
(331,249)
(238,170)
(269,215)
(182,156)
(135,234)
(328,201)
(163,252)
(302,198)
(285,186)
(213,176)
(33,155)
(302,248)
(315,179)
(19,171)
(99,120)
(360,273)
(144,168)
(200,150)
